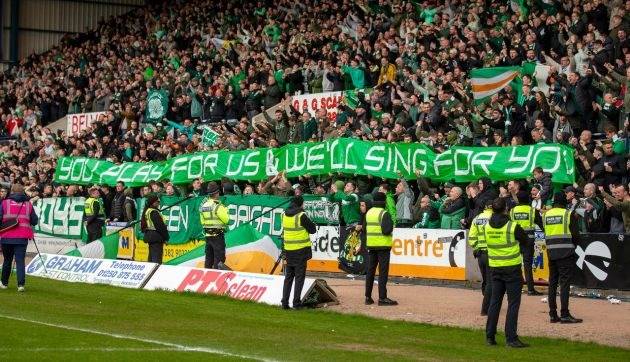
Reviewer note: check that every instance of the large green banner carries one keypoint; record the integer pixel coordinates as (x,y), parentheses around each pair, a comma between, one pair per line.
(341,155)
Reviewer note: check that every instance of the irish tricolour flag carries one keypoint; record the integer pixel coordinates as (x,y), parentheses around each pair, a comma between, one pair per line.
(489,81)
(247,250)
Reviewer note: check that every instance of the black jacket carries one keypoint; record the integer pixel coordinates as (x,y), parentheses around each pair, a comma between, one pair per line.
(160,234)
(117,211)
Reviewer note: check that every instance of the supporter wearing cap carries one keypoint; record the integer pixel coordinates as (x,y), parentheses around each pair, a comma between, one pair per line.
(297,228)
(214,219)
(378,227)
(561,236)
(154,229)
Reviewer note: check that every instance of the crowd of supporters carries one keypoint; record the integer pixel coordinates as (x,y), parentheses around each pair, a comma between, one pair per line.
(223,63)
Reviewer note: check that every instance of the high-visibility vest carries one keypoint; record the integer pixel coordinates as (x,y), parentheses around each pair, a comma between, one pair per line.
(213,215)
(523,215)
(373,231)
(476,238)
(20,211)
(147,216)
(556,222)
(503,248)
(89,207)
(294,234)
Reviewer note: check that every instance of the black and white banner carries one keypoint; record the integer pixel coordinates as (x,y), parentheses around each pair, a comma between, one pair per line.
(603,262)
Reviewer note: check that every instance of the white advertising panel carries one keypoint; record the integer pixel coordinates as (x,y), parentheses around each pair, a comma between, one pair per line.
(262,288)
(121,273)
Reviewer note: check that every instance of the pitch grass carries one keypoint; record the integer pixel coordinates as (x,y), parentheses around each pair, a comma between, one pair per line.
(243,328)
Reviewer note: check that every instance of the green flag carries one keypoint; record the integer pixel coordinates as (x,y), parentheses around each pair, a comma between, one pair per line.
(209,137)
(351,97)
(521,7)
(103,248)
(157,105)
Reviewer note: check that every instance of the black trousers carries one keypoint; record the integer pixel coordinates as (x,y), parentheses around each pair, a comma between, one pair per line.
(294,270)
(505,280)
(486,280)
(528,259)
(94,231)
(156,251)
(17,251)
(215,251)
(378,257)
(560,273)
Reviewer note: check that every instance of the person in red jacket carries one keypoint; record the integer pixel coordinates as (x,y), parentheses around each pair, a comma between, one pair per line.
(14,239)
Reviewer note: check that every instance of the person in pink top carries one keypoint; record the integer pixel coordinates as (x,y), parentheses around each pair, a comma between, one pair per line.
(15,239)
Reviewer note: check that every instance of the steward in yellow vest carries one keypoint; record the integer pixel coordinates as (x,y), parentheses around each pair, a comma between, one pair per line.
(94,214)
(527,217)
(503,239)
(214,219)
(154,229)
(477,240)
(378,228)
(561,236)
(296,230)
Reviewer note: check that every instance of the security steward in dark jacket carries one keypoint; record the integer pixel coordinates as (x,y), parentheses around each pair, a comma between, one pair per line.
(296,228)
(94,215)
(561,236)
(378,228)
(477,241)
(154,229)
(526,216)
(214,220)
(504,257)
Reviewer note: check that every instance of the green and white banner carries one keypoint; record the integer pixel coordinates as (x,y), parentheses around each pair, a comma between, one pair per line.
(182,220)
(341,155)
(60,216)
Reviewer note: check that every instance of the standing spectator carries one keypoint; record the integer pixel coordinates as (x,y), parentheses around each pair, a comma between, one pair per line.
(404,204)
(349,201)
(609,169)
(544,180)
(117,212)
(452,210)
(129,206)
(619,205)
(429,215)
